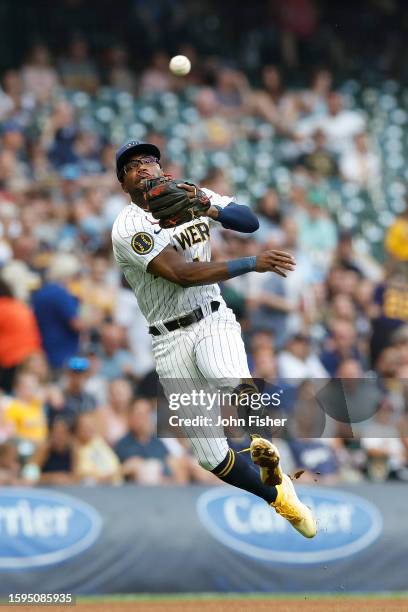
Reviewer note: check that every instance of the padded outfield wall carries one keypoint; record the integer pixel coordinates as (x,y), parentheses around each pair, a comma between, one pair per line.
(195,539)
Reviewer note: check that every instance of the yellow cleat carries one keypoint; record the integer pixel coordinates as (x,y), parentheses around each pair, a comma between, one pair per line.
(266,455)
(287,504)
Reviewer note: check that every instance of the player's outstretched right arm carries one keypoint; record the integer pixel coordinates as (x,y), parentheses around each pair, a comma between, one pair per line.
(172,266)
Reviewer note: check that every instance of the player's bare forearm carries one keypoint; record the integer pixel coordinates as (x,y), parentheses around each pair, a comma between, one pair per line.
(172,266)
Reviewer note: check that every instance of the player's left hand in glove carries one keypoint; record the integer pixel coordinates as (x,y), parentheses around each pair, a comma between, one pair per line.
(173,203)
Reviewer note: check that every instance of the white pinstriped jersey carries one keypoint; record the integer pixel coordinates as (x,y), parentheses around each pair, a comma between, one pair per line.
(137,239)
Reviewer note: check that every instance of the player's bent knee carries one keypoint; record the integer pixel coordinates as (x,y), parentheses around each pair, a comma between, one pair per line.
(212,461)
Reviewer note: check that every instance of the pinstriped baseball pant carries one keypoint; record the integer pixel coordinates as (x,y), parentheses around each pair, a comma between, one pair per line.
(209,350)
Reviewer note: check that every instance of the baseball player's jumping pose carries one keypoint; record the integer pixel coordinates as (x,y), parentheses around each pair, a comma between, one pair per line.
(195,336)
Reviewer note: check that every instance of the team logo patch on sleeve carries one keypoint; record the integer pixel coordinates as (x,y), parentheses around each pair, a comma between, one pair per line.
(142,243)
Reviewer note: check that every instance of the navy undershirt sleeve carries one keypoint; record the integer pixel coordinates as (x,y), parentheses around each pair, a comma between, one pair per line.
(239,218)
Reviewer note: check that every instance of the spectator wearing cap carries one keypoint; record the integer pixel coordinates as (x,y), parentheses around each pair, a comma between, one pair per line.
(19,335)
(57,311)
(76,400)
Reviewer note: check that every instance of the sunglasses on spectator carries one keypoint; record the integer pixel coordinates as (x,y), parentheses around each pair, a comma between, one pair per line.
(135,164)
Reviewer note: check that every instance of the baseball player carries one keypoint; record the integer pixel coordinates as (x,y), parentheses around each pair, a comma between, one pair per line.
(161,241)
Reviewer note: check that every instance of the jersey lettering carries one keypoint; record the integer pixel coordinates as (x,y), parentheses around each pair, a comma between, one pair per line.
(194,234)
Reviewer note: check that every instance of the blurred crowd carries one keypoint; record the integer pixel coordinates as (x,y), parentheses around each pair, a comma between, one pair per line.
(78,389)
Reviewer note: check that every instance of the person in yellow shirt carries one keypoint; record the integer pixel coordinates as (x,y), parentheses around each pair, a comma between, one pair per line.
(396,238)
(94,460)
(25,411)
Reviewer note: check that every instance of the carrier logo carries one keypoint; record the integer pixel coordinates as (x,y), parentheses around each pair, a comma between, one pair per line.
(42,528)
(346,525)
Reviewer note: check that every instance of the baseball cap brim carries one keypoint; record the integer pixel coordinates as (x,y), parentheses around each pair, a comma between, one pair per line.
(133,147)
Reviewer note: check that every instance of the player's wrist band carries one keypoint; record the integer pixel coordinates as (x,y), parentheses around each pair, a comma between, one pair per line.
(236,267)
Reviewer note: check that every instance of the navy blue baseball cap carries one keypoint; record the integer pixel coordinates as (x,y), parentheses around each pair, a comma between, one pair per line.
(133,147)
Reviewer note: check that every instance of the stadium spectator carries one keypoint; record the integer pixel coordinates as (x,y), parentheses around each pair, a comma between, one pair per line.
(319,161)
(77,68)
(270,215)
(58,135)
(26,410)
(119,74)
(128,316)
(396,238)
(340,345)
(313,101)
(94,460)
(54,458)
(317,457)
(116,361)
(114,416)
(39,77)
(273,102)
(389,311)
(317,232)
(270,307)
(74,399)
(57,311)
(96,293)
(232,91)
(211,130)
(10,469)
(21,280)
(155,78)
(360,164)
(15,102)
(19,335)
(144,457)
(380,438)
(299,360)
(340,125)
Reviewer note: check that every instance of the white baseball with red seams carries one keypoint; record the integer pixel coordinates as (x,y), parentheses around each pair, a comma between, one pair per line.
(206,350)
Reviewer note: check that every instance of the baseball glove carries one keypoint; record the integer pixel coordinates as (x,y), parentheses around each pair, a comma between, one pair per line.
(170,204)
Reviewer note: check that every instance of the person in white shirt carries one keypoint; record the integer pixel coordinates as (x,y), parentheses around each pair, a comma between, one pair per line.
(298,361)
(359,164)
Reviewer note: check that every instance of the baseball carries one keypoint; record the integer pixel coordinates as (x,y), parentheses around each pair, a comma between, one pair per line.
(180,65)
